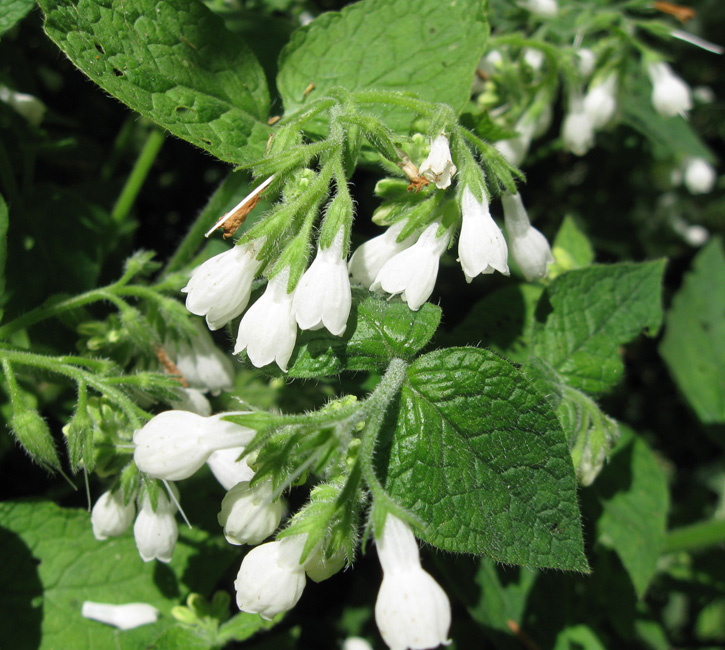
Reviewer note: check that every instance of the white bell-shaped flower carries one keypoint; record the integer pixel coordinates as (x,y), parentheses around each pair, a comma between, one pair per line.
(577,131)
(271,579)
(481,244)
(543,8)
(323,297)
(175,444)
(413,272)
(529,248)
(600,102)
(356,643)
(412,611)
(586,61)
(110,517)
(155,531)
(249,514)
(670,95)
(124,617)
(192,400)
(369,258)
(699,176)
(268,330)
(438,167)
(220,288)
(228,469)
(28,106)
(534,58)
(202,364)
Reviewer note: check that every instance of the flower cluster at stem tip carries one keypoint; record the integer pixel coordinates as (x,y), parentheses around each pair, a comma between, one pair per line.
(321,297)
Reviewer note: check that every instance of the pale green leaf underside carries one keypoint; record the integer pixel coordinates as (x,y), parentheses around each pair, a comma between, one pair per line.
(428,48)
(634,497)
(585,315)
(694,341)
(173,62)
(479,457)
(57,564)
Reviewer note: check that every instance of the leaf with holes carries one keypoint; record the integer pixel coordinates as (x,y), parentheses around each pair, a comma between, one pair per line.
(478,455)
(175,63)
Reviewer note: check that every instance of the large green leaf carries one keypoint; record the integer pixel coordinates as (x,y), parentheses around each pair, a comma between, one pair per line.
(429,48)
(12,12)
(632,489)
(479,456)
(694,341)
(378,331)
(173,62)
(585,315)
(57,564)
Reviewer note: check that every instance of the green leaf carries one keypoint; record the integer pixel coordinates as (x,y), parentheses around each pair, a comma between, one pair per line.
(501,321)
(12,12)
(242,626)
(632,490)
(571,249)
(478,455)
(378,331)
(175,63)
(57,564)
(585,315)
(430,49)
(694,342)
(4,221)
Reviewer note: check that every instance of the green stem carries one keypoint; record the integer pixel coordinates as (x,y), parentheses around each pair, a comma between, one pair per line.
(395,98)
(138,175)
(375,408)
(696,536)
(48,311)
(135,414)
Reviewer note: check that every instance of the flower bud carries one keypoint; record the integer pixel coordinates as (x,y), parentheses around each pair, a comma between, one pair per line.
(156,531)
(577,131)
(249,514)
(670,95)
(271,579)
(110,517)
(529,248)
(699,176)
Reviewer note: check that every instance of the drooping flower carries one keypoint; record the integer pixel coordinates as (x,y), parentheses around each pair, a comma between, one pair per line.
(514,150)
(577,131)
(586,62)
(323,297)
(438,167)
(600,102)
(369,258)
(481,244)
(412,611)
(249,514)
(220,288)
(175,444)
(271,579)
(203,365)
(228,469)
(543,8)
(670,94)
(699,175)
(28,106)
(412,272)
(155,531)
(110,517)
(268,330)
(529,248)
(192,400)
(124,617)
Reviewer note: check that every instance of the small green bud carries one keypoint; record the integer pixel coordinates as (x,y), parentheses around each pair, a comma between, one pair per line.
(33,434)
(79,437)
(184,615)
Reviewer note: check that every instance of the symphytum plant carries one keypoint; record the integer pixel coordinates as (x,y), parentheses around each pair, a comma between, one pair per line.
(473,438)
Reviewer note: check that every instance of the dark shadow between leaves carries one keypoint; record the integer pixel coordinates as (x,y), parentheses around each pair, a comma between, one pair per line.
(21,594)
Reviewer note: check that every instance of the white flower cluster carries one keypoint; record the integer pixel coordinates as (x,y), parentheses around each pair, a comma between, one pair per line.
(221,287)
(409,267)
